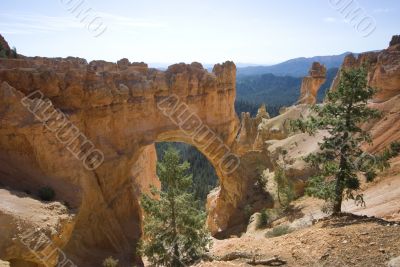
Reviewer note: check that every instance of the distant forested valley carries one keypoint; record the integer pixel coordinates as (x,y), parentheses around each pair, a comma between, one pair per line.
(275,91)
(204,176)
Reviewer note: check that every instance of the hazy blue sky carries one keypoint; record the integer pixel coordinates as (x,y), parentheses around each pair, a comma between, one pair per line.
(208,31)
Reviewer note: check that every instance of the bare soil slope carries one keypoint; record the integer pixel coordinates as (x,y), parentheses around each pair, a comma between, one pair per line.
(348,240)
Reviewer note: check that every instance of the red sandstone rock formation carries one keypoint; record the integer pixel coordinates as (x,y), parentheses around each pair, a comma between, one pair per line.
(115,106)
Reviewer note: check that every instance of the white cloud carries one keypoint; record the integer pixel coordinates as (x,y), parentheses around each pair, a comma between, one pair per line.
(24,23)
(29,23)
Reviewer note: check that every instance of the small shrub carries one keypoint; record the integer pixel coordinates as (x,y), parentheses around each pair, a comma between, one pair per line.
(46,193)
(3,52)
(14,52)
(285,187)
(263,219)
(395,147)
(110,262)
(247,211)
(279,230)
(327,207)
(261,181)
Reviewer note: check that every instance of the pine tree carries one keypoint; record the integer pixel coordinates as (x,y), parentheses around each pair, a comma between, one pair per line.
(174,228)
(204,176)
(285,187)
(14,52)
(3,52)
(341,158)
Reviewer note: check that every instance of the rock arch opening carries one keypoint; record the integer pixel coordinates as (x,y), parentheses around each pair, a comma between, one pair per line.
(204,177)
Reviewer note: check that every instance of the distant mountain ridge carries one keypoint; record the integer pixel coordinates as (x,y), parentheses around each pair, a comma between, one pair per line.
(297,67)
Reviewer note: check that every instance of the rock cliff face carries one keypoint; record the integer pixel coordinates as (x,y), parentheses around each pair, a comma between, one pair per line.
(311,84)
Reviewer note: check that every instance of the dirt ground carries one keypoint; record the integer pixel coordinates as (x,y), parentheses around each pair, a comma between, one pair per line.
(349,240)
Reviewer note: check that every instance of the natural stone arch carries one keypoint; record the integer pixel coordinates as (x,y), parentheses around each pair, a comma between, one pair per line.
(115,107)
(230,188)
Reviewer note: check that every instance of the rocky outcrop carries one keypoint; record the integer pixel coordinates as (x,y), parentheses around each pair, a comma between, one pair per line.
(249,130)
(395,40)
(27,225)
(311,84)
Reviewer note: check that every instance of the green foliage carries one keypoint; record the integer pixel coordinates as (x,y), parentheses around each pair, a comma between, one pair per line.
(174,228)
(263,219)
(268,88)
(3,53)
(261,181)
(285,187)
(14,52)
(246,106)
(382,160)
(46,193)
(279,231)
(395,148)
(340,157)
(247,211)
(110,262)
(204,176)
(243,105)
